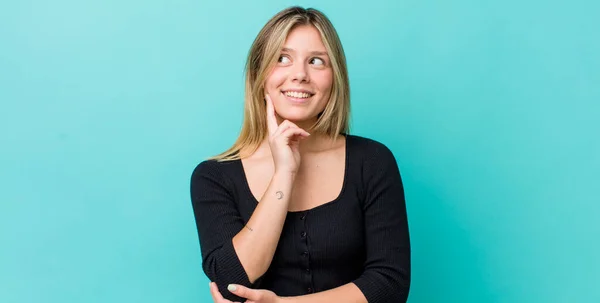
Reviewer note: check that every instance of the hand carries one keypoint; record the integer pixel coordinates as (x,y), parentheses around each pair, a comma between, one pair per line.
(216,295)
(254,295)
(284,140)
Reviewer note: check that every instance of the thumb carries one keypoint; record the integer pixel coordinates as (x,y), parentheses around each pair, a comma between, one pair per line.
(244,292)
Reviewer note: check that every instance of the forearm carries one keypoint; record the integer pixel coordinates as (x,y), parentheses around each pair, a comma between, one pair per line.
(348,293)
(256,243)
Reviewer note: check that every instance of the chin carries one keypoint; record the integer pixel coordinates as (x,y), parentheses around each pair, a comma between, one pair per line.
(296,117)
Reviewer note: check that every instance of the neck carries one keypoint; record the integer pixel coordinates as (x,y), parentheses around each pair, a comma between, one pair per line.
(313,143)
(305,124)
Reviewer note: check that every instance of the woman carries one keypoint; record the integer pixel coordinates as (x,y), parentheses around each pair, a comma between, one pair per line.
(298,209)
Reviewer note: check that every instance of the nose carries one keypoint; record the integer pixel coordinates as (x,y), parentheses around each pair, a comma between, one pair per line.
(300,73)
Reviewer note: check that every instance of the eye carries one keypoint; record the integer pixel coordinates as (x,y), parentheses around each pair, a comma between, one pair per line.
(283,59)
(317,61)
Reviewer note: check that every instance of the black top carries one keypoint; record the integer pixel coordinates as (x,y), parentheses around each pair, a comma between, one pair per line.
(361,236)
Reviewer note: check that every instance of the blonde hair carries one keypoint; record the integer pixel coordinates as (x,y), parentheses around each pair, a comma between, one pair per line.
(263,56)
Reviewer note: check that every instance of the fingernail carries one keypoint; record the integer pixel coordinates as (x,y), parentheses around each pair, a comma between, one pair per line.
(231,287)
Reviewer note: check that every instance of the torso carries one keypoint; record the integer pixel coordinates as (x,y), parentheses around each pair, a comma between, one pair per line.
(319,179)
(322,242)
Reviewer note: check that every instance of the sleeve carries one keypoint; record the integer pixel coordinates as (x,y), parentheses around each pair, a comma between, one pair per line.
(386,275)
(218,221)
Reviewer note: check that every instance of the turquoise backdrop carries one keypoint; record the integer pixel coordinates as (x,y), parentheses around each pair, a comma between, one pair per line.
(491,108)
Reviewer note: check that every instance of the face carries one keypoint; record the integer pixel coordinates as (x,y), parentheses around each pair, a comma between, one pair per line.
(300,84)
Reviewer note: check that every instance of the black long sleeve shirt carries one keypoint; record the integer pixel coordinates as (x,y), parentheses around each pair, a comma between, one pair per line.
(361,236)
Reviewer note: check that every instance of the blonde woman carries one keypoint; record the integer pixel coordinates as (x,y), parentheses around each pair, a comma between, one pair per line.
(299,210)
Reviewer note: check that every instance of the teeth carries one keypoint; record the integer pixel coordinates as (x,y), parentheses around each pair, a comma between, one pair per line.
(297,94)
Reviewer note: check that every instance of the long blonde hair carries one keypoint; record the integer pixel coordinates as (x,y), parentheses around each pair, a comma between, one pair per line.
(262,57)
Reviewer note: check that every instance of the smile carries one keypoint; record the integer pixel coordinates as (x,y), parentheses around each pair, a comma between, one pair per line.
(297,94)
(296,97)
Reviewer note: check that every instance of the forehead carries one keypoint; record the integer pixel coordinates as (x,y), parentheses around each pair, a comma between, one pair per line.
(304,38)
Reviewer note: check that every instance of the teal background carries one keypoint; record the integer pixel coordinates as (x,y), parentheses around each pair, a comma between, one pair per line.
(491,108)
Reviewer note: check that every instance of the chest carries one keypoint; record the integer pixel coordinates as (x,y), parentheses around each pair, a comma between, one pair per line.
(319,181)
(324,244)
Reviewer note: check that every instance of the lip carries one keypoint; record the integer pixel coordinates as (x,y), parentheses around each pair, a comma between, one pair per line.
(297,90)
(298,100)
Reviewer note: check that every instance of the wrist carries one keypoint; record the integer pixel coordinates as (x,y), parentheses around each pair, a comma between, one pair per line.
(284,175)
(285,299)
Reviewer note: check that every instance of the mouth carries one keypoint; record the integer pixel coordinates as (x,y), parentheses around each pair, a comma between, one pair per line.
(298,96)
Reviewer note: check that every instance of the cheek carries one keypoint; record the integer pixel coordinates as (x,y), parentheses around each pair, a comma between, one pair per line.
(275,79)
(324,81)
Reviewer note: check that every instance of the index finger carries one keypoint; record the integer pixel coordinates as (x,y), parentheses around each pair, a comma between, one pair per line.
(271,119)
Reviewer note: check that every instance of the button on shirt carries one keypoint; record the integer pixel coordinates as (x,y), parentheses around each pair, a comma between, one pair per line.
(360,237)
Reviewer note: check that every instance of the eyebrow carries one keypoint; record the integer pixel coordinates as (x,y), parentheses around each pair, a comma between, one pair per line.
(289,50)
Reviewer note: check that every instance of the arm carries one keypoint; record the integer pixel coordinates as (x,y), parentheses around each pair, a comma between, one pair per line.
(231,252)
(386,276)
(347,293)
(256,244)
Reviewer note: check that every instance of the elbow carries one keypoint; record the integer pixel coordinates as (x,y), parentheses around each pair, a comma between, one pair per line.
(402,280)
(399,287)
(399,275)
(226,270)
(223,273)
(223,267)
(397,283)
(385,285)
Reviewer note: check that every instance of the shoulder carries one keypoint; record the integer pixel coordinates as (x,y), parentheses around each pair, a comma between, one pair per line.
(370,149)
(213,178)
(374,158)
(206,167)
(213,169)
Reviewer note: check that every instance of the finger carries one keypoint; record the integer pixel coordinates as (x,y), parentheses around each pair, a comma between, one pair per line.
(214,292)
(244,292)
(288,125)
(290,133)
(271,119)
(283,126)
